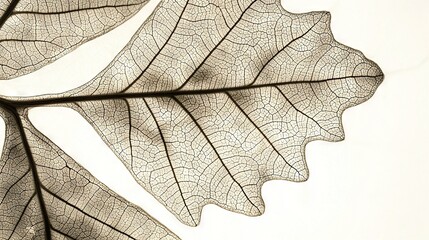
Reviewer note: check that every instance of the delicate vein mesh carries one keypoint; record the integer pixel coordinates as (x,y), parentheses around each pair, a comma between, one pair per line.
(78,206)
(210,99)
(36,33)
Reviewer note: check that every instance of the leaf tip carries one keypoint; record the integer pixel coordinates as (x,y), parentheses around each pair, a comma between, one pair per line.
(303,175)
(326,16)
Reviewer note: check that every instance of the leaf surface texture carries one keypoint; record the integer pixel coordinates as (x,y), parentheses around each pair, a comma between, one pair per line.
(210,99)
(34,33)
(44,194)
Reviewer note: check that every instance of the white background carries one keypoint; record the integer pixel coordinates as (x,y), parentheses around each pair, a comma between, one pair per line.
(373,185)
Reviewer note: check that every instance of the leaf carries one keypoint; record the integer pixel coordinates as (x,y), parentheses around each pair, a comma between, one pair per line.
(209,100)
(45,194)
(35,33)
